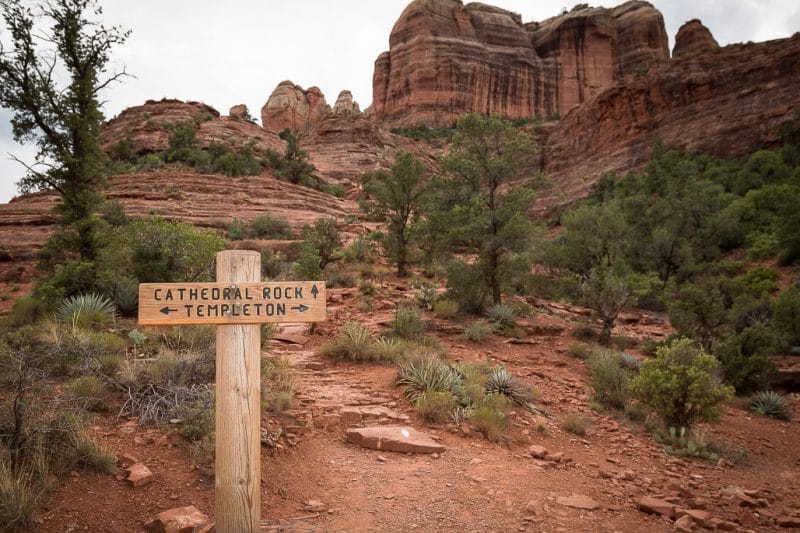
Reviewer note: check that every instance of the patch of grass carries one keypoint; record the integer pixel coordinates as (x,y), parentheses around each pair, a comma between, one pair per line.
(445,309)
(87,392)
(389,349)
(580,350)
(18,498)
(609,379)
(435,406)
(355,342)
(489,421)
(478,331)
(408,323)
(770,403)
(576,423)
(278,384)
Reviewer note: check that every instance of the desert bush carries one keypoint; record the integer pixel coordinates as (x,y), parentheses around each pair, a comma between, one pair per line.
(408,323)
(278,384)
(583,333)
(267,227)
(490,422)
(426,374)
(274,266)
(576,423)
(478,330)
(195,421)
(88,392)
(465,285)
(770,403)
(189,339)
(361,250)
(389,349)
(25,311)
(581,350)
(65,442)
(124,292)
(629,363)
(503,315)
(501,381)
(355,342)
(681,385)
(367,288)
(425,297)
(86,310)
(237,230)
(435,406)
(609,379)
(683,442)
(445,309)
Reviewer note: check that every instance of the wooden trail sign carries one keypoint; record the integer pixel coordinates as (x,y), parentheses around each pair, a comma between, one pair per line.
(231,303)
(237,303)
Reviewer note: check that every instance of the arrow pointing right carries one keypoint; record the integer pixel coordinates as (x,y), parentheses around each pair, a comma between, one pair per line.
(302,308)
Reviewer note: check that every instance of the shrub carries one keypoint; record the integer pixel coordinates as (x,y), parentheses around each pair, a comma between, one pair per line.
(609,379)
(388,349)
(354,342)
(196,421)
(770,403)
(744,358)
(502,314)
(237,230)
(501,381)
(278,384)
(334,189)
(581,350)
(576,423)
(367,288)
(445,309)
(425,297)
(18,498)
(408,323)
(583,333)
(683,442)
(166,369)
(25,311)
(125,294)
(267,227)
(361,250)
(466,286)
(681,385)
(478,331)
(86,310)
(87,392)
(489,421)
(425,374)
(435,406)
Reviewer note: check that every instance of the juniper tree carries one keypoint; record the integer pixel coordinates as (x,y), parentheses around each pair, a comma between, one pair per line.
(396,197)
(53,66)
(481,201)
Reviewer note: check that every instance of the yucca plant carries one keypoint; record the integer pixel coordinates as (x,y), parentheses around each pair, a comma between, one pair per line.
(426,374)
(388,349)
(355,342)
(502,314)
(126,297)
(629,362)
(770,403)
(86,310)
(503,382)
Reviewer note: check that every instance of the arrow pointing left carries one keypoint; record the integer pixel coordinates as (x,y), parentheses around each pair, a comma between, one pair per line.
(167,310)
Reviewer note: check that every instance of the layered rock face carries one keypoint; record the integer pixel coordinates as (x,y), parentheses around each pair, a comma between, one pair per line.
(446,59)
(290,106)
(728,103)
(345,104)
(693,38)
(148,126)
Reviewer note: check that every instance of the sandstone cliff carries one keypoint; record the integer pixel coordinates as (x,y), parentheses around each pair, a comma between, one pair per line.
(446,59)
(290,106)
(729,101)
(693,38)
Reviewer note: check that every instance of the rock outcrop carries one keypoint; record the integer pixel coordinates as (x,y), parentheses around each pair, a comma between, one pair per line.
(728,102)
(148,126)
(693,38)
(345,104)
(291,106)
(446,59)
(239,111)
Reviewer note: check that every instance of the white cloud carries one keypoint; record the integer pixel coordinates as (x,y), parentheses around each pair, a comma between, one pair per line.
(238,51)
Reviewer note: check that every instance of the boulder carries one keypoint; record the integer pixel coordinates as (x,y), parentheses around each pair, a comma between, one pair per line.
(394,439)
(578,501)
(180,520)
(651,505)
(138,475)
(345,104)
(239,111)
(291,106)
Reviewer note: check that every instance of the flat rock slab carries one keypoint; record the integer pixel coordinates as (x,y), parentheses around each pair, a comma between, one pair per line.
(578,501)
(394,439)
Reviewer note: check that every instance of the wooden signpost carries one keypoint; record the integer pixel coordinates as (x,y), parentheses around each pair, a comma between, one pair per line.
(237,303)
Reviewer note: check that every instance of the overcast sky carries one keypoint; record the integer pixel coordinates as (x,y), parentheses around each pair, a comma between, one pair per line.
(239,50)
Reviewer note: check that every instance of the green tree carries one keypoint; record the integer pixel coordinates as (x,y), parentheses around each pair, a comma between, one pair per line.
(397,197)
(64,119)
(681,385)
(480,204)
(295,166)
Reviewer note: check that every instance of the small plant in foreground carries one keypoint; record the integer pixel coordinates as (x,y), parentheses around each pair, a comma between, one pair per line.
(770,403)
(408,323)
(445,309)
(681,442)
(501,381)
(478,331)
(277,384)
(581,350)
(609,379)
(435,406)
(576,423)
(18,498)
(490,417)
(425,374)
(86,310)
(87,392)
(389,349)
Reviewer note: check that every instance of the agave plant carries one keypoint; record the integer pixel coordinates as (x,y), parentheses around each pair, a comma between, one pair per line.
(126,297)
(770,403)
(86,310)
(502,314)
(426,374)
(503,382)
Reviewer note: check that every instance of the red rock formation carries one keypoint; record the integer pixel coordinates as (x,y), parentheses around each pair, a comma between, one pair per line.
(446,58)
(148,127)
(290,106)
(345,104)
(693,38)
(727,102)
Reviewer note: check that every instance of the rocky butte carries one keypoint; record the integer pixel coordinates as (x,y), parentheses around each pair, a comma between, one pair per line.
(446,58)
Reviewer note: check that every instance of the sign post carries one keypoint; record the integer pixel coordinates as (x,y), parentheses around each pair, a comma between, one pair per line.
(237,303)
